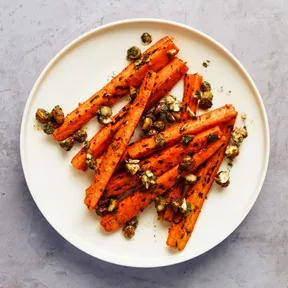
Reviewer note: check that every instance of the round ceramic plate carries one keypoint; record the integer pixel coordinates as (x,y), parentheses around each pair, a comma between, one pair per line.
(81,69)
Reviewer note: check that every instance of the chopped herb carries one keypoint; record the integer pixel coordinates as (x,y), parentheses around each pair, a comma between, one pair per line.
(182,128)
(86,145)
(231,151)
(239,134)
(175,107)
(130,227)
(67,144)
(148,179)
(90,162)
(138,63)
(170,118)
(205,101)
(186,139)
(103,115)
(132,166)
(205,86)
(212,137)
(191,113)
(186,164)
(159,125)
(150,115)
(170,99)
(146,38)
(147,124)
(58,115)
(133,92)
(80,136)
(102,209)
(152,132)
(175,204)
(191,179)
(133,222)
(186,208)
(43,116)
(222,178)
(160,140)
(161,107)
(204,64)
(133,53)
(173,104)
(48,128)
(160,203)
(129,231)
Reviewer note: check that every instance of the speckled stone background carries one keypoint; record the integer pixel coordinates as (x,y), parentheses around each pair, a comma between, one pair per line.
(32,254)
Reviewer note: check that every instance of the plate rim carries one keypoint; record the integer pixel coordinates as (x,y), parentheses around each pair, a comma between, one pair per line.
(124,261)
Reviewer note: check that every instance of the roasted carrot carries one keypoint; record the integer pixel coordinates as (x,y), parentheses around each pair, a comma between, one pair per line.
(155,58)
(98,144)
(148,146)
(119,143)
(158,163)
(139,200)
(192,83)
(174,192)
(165,80)
(180,233)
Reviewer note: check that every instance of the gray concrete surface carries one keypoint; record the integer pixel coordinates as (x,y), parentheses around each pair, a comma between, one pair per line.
(32,254)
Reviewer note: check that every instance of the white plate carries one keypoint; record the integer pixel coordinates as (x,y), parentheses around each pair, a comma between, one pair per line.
(83,67)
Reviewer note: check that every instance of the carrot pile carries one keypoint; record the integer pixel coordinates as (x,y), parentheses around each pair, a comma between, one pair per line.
(155,58)
(165,80)
(174,164)
(119,143)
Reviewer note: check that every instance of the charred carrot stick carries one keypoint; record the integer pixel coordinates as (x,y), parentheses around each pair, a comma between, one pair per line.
(139,200)
(165,80)
(98,144)
(192,83)
(174,192)
(150,145)
(158,163)
(164,160)
(119,143)
(155,58)
(200,190)
(180,233)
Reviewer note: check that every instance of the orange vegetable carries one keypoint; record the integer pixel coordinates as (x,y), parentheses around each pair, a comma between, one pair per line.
(174,192)
(98,144)
(158,163)
(192,83)
(155,58)
(139,200)
(180,233)
(119,143)
(148,146)
(165,80)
